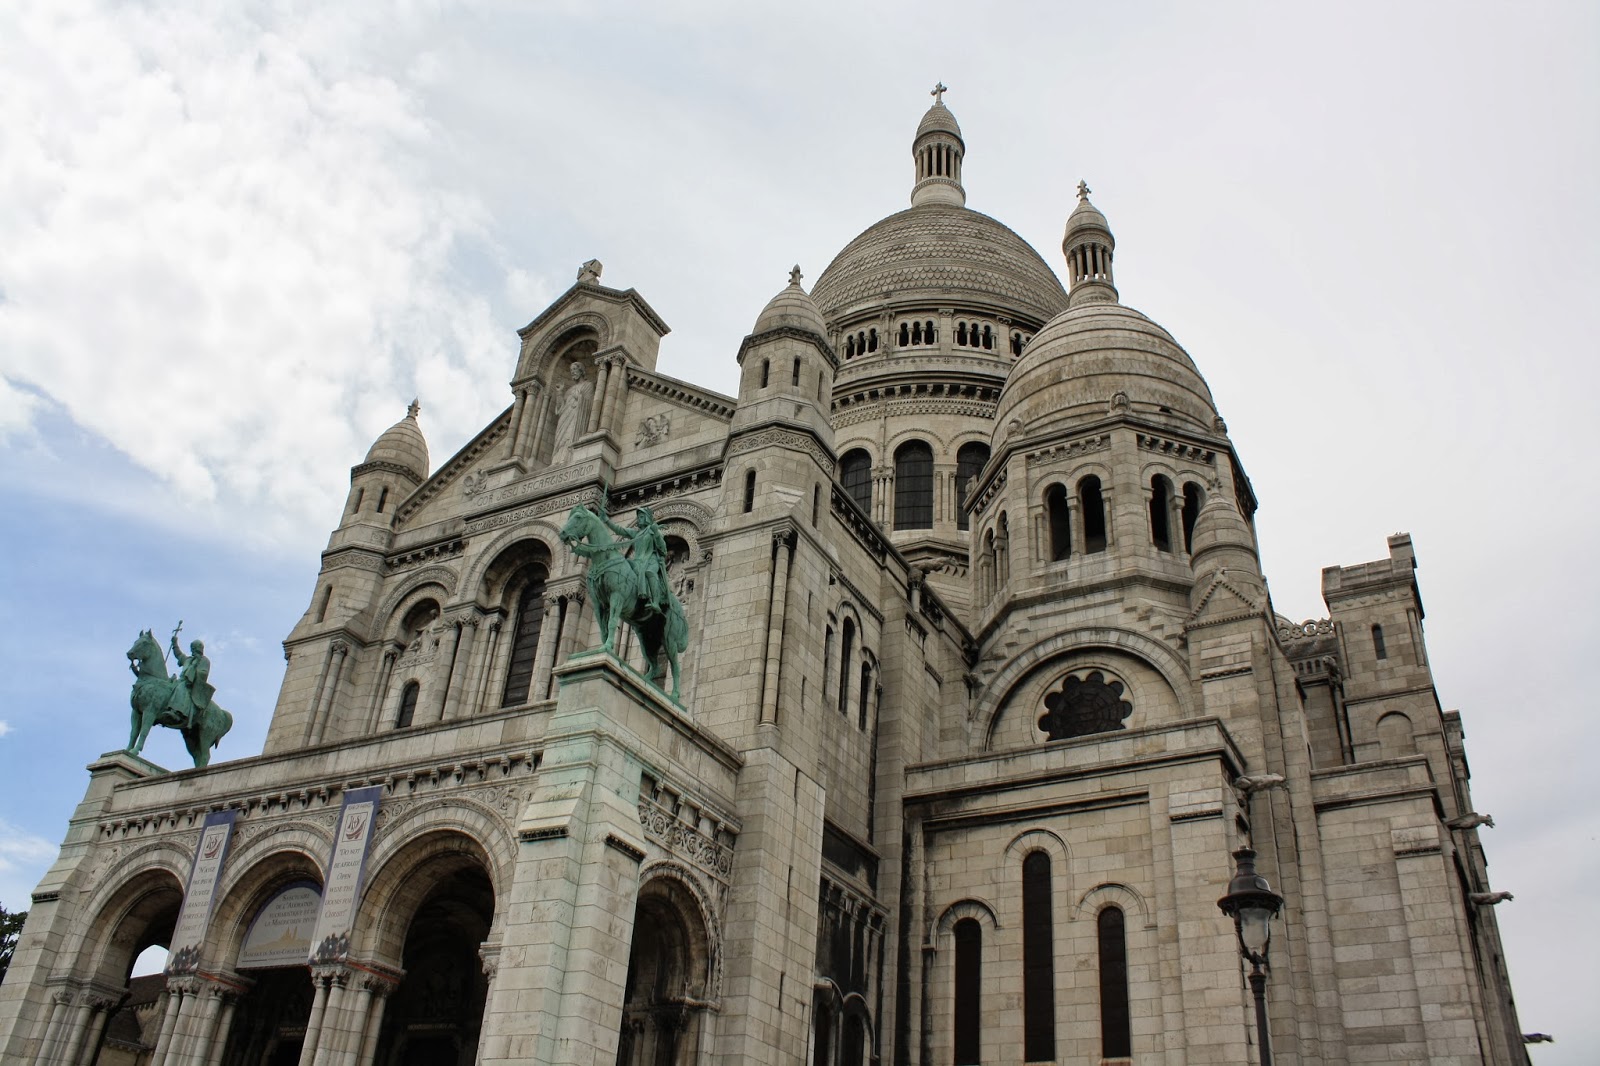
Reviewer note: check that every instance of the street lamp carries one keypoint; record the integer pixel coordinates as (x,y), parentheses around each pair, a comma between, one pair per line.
(1252,905)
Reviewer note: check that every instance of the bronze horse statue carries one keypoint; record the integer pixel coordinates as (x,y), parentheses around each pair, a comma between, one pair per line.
(617,590)
(152,697)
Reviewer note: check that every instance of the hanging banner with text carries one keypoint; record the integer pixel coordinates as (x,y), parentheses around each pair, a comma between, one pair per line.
(280,935)
(200,894)
(330,940)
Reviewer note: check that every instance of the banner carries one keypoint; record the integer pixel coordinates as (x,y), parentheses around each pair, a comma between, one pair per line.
(330,940)
(200,894)
(280,935)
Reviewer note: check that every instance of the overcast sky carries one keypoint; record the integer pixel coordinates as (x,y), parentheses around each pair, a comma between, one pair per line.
(236,239)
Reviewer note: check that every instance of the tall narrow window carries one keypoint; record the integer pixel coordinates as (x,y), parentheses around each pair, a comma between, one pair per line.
(1094,514)
(1038,961)
(913,486)
(1059,516)
(1116,1032)
(872,340)
(854,1046)
(969,989)
(1161,513)
(322,607)
(970,458)
(961,333)
(827,661)
(360,494)
(749,491)
(864,694)
(525,638)
(766,368)
(383,498)
(1378,646)
(855,473)
(408,705)
(822,1026)
(816,503)
(845,648)
(1193,499)
(796,379)
(905,334)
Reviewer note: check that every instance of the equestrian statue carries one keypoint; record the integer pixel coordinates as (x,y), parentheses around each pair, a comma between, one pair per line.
(631,588)
(182,701)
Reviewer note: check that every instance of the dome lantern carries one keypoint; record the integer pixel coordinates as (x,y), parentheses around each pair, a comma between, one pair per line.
(1088,246)
(938,149)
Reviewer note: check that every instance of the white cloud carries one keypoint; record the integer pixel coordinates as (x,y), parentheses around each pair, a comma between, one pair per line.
(230,261)
(5,727)
(24,858)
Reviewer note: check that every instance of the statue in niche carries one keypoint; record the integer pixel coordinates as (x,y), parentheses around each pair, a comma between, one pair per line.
(183,701)
(1085,706)
(572,413)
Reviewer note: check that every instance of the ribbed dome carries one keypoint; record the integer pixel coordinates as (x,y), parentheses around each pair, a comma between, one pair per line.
(1086,216)
(1078,363)
(793,308)
(403,444)
(939,253)
(938,118)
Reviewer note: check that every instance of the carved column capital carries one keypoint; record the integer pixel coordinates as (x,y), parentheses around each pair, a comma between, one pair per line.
(339,647)
(784,537)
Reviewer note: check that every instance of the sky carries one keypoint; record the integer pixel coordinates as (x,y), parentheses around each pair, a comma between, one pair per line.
(237,239)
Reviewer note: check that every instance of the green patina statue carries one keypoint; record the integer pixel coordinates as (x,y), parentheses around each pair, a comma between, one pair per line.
(183,702)
(631,589)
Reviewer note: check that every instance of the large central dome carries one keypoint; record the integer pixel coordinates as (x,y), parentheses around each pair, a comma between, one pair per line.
(939,253)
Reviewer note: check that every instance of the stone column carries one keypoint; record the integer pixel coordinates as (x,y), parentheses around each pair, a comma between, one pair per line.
(544,659)
(200,1049)
(378,987)
(166,1042)
(461,668)
(381,690)
(334,1031)
(340,651)
(1175,522)
(1075,525)
(444,667)
(602,367)
(356,1037)
(783,549)
(219,1039)
(75,1029)
(316,698)
(486,669)
(571,623)
(59,1002)
(319,1005)
(616,389)
(1107,505)
(103,1006)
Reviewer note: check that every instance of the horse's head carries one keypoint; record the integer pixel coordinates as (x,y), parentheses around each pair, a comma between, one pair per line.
(580,523)
(146,655)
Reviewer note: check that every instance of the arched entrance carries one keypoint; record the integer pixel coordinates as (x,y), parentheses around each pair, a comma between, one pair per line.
(270,1019)
(435,1015)
(669,970)
(140,915)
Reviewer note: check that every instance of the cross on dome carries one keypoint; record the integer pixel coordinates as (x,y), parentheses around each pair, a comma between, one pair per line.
(411,411)
(938,91)
(795,275)
(1083,189)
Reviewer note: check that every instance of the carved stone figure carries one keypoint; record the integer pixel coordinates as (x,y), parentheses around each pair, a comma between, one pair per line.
(573,413)
(183,702)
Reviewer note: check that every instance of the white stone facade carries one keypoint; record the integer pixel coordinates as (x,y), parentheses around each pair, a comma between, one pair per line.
(973,590)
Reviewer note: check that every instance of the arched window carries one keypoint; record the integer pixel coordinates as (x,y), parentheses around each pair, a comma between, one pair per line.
(855,473)
(865,694)
(961,333)
(1092,503)
(969,989)
(1379,649)
(1059,516)
(1116,1032)
(905,334)
(525,637)
(1395,738)
(872,340)
(853,1048)
(849,347)
(916,333)
(1161,513)
(1038,961)
(1193,499)
(913,486)
(408,705)
(749,491)
(795,381)
(822,1026)
(766,367)
(1016,344)
(383,498)
(929,336)
(970,458)
(846,648)
(988,339)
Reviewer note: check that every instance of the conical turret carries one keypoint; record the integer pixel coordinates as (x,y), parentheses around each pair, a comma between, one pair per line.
(1088,246)
(938,150)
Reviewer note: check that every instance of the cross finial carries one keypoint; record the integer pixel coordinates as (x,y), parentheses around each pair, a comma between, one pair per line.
(938,92)
(1083,189)
(795,275)
(411,412)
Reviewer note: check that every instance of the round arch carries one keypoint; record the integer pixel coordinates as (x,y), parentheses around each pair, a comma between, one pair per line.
(424,849)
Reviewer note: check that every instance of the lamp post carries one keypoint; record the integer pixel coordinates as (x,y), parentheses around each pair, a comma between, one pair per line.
(1252,905)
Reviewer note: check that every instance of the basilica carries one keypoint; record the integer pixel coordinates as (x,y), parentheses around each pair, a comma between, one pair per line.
(977,708)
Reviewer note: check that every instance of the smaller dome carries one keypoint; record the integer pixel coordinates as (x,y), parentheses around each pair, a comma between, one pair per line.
(938,119)
(1219,525)
(1086,216)
(792,308)
(403,445)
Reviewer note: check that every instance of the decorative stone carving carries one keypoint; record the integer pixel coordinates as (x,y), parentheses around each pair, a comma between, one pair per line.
(654,430)
(1084,706)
